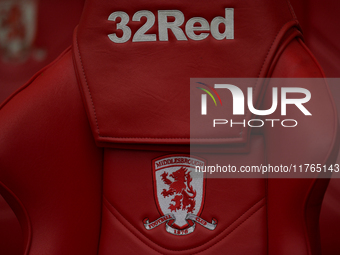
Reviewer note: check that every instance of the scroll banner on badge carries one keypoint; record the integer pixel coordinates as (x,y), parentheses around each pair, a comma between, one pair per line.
(159,221)
(168,217)
(204,223)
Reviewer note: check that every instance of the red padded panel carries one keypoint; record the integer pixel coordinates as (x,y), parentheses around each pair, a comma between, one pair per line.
(11,241)
(129,197)
(157,73)
(299,210)
(55,23)
(68,211)
(330,220)
(50,162)
(241,238)
(320,22)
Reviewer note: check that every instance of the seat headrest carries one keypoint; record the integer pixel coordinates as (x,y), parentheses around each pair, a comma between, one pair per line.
(135,59)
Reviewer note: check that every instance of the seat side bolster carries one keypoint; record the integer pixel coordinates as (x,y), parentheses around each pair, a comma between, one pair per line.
(49,161)
(294,204)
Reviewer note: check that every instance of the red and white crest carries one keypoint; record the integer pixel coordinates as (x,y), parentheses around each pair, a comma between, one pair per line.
(179,189)
(18,23)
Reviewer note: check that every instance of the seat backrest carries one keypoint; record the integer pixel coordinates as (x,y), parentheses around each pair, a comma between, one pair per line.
(32,34)
(107,164)
(319,24)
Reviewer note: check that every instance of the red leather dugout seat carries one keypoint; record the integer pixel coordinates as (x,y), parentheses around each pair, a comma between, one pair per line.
(320,22)
(46,29)
(81,142)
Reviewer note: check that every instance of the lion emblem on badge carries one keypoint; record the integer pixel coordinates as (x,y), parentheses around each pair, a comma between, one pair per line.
(181,186)
(18,27)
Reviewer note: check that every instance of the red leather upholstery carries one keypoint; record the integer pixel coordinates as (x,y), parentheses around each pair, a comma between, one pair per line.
(76,162)
(53,33)
(55,21)
(320,20)
(10,234)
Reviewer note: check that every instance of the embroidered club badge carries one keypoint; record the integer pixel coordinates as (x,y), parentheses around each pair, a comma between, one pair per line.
(179,193)
(18,25)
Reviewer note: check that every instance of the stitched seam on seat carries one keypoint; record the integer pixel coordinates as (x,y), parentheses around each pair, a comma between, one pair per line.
(27,240)
(291,9)
(184,250)
(232,230)
(169,138)
(33,78)
(87,85)
(332,143)
(265,60)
